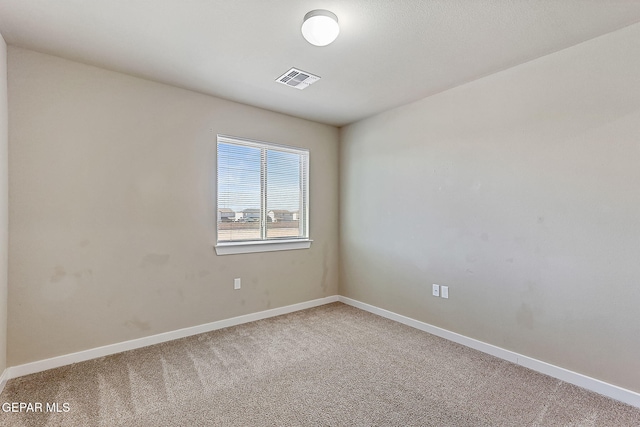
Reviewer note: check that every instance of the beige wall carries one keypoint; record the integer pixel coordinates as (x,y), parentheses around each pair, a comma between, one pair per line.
(113,210)
(4,178)
(520,191)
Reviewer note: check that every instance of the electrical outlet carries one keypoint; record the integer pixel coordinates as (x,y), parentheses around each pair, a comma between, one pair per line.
(444,291)
(236,283)
(436,290)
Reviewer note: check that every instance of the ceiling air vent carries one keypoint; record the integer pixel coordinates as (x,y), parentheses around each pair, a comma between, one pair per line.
(297,78)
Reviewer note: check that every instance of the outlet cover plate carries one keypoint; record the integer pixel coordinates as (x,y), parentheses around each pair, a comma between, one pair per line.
(444,291)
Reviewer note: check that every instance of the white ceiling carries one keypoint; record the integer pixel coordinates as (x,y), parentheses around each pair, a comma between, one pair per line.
(389,52)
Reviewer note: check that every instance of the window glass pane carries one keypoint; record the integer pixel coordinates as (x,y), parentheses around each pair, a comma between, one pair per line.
(284,194)
(262,191)
(238,192)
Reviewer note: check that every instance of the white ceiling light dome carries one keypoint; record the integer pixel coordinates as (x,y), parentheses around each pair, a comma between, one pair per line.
(320,27)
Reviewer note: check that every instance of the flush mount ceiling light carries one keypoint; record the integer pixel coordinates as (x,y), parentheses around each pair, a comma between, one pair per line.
(320,27)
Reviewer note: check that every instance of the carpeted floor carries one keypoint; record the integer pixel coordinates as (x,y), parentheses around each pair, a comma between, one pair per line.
(333,365)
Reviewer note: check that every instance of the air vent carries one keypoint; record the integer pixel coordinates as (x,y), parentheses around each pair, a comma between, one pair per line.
(297,78)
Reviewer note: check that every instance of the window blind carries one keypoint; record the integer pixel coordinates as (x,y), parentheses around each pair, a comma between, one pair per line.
(262,191)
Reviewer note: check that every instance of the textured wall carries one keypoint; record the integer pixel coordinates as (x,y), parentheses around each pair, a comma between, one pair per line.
(113,210)
(4,179)
(520,192)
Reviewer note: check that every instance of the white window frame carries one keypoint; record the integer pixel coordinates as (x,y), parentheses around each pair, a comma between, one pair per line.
(265,244)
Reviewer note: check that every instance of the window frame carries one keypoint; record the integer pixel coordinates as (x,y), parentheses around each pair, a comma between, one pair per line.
(264,244)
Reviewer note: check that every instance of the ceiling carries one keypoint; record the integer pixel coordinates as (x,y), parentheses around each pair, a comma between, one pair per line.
(389,52)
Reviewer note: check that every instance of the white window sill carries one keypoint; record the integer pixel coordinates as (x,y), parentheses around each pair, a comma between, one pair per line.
(231,248)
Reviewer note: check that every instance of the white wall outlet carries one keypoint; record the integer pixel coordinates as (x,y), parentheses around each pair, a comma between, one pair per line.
(444,291)
(436,290)
(236,283)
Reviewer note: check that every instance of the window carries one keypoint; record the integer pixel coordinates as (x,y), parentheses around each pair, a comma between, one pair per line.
(262,196)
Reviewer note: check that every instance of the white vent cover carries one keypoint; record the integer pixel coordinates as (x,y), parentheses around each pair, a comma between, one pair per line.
(297,78)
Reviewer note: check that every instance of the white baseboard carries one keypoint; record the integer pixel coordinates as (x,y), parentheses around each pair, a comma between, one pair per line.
(601,387)
(3,379)
(94,353)
(618,393)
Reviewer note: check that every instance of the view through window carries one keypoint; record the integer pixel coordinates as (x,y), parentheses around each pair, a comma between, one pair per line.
(262,191)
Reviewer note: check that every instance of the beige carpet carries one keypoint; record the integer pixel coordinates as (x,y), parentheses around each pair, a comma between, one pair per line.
(329,366)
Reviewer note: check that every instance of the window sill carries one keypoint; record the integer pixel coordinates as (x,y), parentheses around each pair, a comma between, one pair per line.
(232,248)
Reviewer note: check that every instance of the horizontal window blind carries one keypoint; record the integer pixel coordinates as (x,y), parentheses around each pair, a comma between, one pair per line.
(262,191)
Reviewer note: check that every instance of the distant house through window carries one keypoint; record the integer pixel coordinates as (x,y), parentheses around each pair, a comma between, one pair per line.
(262,191)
